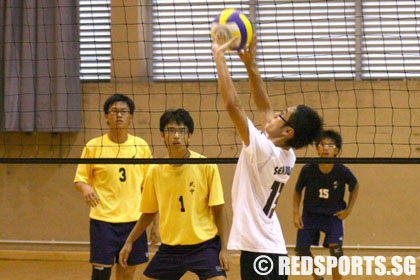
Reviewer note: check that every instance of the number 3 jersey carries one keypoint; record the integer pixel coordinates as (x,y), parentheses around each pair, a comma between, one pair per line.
(324,193)
(262,171)
(117,185)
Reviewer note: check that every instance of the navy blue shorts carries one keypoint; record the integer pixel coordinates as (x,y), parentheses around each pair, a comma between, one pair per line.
(107,239)
(171,262)
(248,261)
(313,224)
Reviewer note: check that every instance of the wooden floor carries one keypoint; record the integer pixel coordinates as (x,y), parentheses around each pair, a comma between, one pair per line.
(65,270)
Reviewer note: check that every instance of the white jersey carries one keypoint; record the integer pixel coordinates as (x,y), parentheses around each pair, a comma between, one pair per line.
(260,175)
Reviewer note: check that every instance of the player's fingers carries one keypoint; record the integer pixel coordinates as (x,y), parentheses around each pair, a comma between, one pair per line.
(89,202)
(224,263)
(153,239)
(226,266)
(253,44)
(226,45)
(254,39)
(93,202)
(123,258)
(96,198)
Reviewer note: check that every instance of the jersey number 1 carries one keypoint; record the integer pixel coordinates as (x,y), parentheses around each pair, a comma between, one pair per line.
(181,200)
(271,203)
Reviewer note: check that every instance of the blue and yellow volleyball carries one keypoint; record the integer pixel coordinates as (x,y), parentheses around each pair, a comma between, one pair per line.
(232,23)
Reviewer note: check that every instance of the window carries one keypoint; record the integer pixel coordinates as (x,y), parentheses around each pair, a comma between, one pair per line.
(182,41)
(95,39)
(343,39)
(306,39)
(391,39)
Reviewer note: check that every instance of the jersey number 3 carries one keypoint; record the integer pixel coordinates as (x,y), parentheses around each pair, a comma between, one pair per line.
(123,176)
(271,203)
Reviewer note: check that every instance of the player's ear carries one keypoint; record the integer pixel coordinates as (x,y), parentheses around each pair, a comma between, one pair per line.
(106,119)
(336,152)
(289,132)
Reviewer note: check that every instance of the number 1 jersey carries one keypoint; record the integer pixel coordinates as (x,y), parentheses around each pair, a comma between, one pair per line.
(262,171)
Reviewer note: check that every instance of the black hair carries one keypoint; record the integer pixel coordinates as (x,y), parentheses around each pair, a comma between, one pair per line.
(116,98)
(307,126)
(180,116)
(333,135)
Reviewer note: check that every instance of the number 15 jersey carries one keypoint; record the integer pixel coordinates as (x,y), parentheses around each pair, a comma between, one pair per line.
(262,171)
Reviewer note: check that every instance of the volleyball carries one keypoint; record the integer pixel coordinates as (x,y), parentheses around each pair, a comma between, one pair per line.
(232,23)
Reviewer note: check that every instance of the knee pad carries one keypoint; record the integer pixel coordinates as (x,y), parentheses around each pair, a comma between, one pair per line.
(336,251)
(101,273)
(303,252)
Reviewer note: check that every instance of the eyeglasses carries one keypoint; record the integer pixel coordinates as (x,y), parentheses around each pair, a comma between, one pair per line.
(284,112)
(116,112)
(173,130)
(328,146)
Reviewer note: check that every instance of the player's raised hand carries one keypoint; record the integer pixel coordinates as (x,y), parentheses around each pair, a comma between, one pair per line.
(221,49)
(125,253)
(247,55)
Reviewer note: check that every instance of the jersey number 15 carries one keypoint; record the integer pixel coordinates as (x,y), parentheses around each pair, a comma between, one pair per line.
(324,193)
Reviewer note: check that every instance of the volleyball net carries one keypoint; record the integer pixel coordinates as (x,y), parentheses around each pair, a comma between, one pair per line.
(355,62)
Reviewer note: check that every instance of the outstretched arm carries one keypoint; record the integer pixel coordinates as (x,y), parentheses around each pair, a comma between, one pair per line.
(297,218)
(222,227)
(258,91)
(139,228)
(154,231)
(227,89)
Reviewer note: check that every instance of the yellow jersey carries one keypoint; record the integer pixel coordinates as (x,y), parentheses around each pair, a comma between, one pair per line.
(117,185)
(183,195)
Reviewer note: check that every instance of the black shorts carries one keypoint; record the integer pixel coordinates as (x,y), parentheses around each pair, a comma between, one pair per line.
(107,239)
(249,259)
(314,224)
(171,262)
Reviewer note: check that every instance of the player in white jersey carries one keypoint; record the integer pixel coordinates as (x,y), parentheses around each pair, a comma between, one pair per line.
(264,166)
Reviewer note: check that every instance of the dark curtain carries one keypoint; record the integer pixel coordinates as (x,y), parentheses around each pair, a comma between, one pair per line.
(39,66)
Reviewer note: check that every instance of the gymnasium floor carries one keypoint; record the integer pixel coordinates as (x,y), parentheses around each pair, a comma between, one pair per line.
(65,270)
